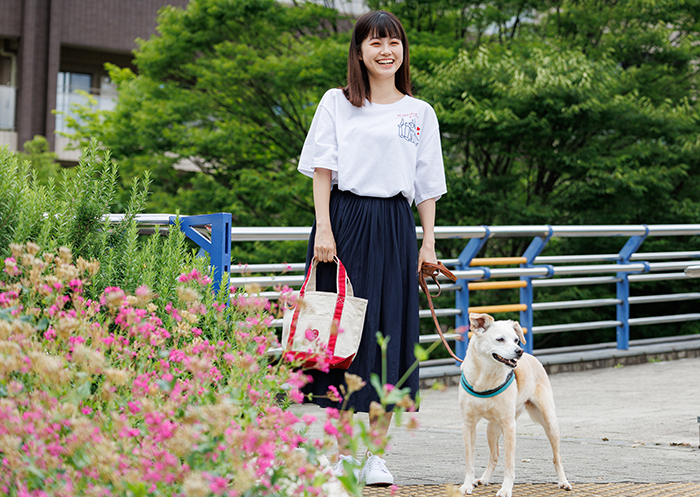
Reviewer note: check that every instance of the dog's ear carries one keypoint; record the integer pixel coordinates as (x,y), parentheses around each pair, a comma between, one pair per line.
(519,331)
(479,323)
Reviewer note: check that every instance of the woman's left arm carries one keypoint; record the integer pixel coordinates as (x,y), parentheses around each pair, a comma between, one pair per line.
(426,212)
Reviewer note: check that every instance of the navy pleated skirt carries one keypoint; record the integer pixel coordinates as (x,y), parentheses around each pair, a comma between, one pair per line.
(376,241)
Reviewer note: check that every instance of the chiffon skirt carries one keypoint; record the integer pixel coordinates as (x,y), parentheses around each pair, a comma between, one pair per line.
(376,241)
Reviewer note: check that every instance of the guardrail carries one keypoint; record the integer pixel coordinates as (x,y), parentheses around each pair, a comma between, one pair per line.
(214,234)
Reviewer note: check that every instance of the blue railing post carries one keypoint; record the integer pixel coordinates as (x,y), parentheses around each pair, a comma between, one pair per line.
(623,290)
(462,295)
(527,318)
(218,247)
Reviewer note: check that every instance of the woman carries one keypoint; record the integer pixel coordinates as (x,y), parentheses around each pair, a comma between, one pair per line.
(372,150)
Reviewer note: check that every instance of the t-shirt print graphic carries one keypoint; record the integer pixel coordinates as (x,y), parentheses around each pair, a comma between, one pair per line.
(409,131)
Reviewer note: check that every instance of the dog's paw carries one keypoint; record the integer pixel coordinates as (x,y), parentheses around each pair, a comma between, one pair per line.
(466,489)
(505,492)
(481,481)
(565,485)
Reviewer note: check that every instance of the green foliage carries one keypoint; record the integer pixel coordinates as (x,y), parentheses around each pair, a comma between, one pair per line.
(551,111)
(231,87)
(43,161)
(559,136)
(75,215)
(22,202)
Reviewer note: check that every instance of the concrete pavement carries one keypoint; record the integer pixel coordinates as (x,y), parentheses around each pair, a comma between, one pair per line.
(634,423)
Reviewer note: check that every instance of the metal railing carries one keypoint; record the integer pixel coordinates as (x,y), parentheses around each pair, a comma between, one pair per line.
(214,234)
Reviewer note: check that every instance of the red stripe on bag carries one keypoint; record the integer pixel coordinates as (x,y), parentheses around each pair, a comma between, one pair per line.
(295,317)
(339,303)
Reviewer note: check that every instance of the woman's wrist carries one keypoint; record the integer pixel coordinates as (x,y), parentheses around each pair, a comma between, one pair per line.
(429,243)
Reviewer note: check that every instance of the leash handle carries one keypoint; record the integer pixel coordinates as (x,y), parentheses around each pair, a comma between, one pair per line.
(433,271)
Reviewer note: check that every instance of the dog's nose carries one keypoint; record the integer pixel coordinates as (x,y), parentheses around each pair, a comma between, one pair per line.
(519,352)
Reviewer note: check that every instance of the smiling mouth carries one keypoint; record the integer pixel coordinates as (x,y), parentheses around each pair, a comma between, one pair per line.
(511,363)
(385,62)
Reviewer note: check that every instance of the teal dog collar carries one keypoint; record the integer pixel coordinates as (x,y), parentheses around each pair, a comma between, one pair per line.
(488,393)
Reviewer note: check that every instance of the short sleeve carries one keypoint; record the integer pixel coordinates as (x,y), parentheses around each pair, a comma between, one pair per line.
(321,144)
(430,169)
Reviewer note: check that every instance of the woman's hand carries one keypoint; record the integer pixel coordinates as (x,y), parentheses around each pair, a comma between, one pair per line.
(426,254)
(324,244)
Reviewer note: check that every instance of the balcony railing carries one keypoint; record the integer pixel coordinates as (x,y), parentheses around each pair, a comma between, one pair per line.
(67,99)
(8,98)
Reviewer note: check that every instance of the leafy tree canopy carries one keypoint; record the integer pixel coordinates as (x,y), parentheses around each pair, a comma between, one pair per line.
(230,86)
(552,111)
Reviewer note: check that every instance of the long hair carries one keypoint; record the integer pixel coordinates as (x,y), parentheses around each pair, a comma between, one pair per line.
(379,24)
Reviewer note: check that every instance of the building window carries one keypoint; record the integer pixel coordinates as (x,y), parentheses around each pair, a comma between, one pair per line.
(8,92)
(71,91)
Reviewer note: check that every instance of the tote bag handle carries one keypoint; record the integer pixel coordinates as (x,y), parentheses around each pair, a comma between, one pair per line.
(343,285)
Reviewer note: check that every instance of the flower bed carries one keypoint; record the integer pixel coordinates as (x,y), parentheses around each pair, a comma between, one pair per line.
(118,396)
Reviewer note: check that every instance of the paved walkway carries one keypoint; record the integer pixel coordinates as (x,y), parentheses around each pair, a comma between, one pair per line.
(628,424)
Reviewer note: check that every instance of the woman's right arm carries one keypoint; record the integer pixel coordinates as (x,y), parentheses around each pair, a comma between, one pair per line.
(324,242)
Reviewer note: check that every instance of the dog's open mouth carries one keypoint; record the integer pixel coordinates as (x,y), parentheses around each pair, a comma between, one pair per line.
(511,363)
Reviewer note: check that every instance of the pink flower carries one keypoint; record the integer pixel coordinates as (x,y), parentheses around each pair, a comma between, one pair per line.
(218,485)
(333,394)
(15,387)
(296,396)
(142,291)
(330,428)
(50,334)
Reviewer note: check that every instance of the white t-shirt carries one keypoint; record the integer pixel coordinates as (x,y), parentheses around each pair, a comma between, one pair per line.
(377,150)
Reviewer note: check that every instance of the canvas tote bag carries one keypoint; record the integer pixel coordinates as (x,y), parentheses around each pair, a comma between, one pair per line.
(320,320)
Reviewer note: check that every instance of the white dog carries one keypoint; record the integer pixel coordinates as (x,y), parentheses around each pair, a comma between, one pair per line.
(495,389)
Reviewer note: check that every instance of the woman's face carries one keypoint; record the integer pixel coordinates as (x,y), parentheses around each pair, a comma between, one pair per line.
(382,56)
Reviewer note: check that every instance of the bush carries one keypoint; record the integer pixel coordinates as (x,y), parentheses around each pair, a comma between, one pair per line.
(123,373)
(74,215)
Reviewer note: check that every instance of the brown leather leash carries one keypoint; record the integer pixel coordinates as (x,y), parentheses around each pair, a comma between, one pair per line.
(433,271)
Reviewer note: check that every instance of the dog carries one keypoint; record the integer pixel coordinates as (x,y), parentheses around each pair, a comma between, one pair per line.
(498,382)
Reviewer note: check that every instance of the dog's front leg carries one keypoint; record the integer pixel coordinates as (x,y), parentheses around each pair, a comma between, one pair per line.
(509,458)
(469,435)
(493,433)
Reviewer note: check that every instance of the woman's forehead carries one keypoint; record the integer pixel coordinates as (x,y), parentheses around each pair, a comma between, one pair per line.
(385,29)
(377,37)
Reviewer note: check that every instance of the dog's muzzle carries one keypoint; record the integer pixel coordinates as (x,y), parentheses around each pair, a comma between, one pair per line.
(511,363)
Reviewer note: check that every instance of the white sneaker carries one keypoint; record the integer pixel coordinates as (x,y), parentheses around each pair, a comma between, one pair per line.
(339,468)
(375,472)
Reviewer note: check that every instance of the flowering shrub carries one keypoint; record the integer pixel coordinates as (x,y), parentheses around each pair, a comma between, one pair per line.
(118,396)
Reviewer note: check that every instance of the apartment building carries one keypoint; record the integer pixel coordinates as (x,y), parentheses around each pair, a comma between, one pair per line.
(50,49)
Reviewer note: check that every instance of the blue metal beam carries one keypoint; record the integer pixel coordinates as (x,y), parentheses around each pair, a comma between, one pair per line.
(622,312)
(218,246)
(527,296)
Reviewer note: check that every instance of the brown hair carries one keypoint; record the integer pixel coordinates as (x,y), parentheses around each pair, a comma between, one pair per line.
(379,24)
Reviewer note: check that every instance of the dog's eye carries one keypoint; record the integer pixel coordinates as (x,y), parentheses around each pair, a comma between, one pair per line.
(517,341)
(500,339)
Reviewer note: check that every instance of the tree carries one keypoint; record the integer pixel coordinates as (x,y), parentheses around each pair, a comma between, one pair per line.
(559,136)
(230,85)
